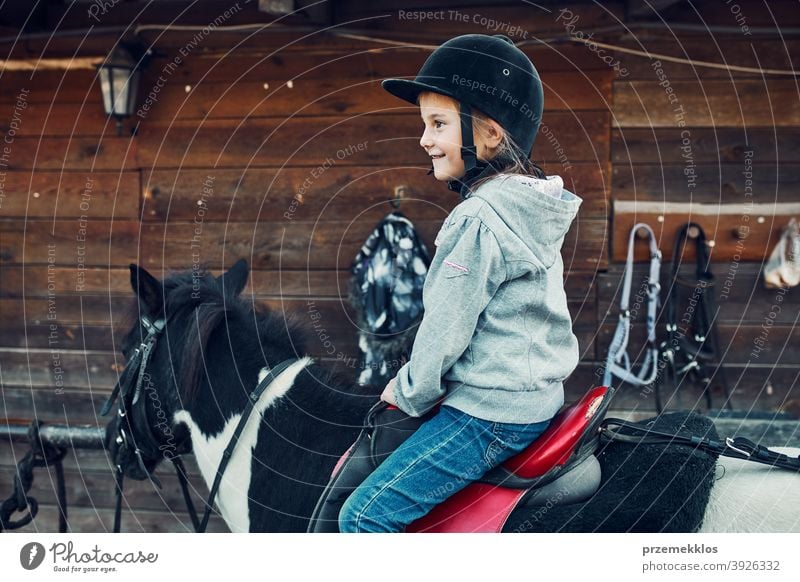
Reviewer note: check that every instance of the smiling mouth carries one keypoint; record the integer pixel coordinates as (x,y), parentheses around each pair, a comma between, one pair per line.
(439,157)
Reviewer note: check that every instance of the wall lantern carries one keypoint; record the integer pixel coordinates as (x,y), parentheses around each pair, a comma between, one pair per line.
(119,80)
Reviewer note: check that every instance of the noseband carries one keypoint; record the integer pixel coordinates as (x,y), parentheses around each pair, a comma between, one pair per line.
(131,411)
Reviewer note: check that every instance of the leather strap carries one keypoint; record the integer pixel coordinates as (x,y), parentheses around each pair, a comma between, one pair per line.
(618,362)
(737,447)
(686,352)
(226,455)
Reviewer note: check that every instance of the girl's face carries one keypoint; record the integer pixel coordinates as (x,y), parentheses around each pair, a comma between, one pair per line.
(441,138)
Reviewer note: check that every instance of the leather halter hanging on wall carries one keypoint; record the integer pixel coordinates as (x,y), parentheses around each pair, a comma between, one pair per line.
(686,353)
(618,362)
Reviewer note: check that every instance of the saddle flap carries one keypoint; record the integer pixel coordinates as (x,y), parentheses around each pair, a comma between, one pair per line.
(569,430)
(485,508)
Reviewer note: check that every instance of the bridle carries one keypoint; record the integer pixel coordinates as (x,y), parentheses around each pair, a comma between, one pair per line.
(618,362)
(683,356)
(132,411)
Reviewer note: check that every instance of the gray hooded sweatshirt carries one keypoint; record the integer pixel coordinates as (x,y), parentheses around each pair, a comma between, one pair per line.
(496,340)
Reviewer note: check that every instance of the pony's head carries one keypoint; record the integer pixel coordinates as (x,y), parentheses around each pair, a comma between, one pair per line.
(165,352)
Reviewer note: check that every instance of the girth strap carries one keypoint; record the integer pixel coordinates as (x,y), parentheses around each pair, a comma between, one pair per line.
(618,362)
(737,447)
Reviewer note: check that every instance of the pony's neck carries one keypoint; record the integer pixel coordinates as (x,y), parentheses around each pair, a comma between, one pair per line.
(232,499)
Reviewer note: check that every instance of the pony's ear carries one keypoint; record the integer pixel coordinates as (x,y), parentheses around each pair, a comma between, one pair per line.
(233,281)
(147,288)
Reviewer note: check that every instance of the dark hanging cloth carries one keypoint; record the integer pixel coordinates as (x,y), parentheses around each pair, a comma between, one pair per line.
(386,293)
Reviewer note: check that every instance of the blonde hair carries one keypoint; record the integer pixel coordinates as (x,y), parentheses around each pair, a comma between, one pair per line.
(508,153)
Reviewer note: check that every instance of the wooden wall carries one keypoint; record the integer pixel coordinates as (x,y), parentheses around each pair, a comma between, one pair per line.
(285,151)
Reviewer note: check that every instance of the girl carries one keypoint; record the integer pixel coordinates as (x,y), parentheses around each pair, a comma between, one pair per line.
(496,341)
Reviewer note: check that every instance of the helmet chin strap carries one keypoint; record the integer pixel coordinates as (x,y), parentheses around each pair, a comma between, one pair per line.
(468,151)
(473,168)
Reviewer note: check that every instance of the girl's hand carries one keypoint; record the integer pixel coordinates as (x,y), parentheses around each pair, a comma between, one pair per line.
(388,393)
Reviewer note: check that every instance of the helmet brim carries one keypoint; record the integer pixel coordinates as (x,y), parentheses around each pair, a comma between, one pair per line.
(410,90)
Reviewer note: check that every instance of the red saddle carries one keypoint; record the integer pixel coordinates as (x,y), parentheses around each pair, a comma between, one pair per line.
(485,505)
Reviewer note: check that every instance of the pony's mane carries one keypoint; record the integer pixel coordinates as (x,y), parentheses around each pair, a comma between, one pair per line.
(196,299)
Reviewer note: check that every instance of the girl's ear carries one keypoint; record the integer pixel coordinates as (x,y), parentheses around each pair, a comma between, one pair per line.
(493,134)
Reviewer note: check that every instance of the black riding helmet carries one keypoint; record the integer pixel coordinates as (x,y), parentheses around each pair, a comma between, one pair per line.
(488,73)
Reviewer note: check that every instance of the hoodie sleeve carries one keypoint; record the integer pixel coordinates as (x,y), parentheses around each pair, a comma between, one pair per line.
(466,271)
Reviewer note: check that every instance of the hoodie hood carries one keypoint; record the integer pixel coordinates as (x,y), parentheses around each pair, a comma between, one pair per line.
(538,212)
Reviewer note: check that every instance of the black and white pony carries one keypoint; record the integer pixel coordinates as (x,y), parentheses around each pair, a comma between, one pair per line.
(213,349)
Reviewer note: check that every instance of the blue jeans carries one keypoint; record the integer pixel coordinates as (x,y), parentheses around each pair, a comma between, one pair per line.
(443,456)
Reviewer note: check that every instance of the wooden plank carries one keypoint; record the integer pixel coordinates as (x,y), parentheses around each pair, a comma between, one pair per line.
(340,193)
(754,388)
(707,103)
(180,11)
(781,14)
(103,310)
(315,246)
(45,86)
(76,406)
(57,370)
(31,280)
(86,118)
(740,295)
(760,224)
(80,153)
(60,243)
(239,67)
(334,95)
(720,182)
(67,309)
(760,343)
(586,245)
(642,10)
(59,195)
(71,336)
(386,140)
(519,22)
(705,145)
(287,41)
(754,52)
(279,64)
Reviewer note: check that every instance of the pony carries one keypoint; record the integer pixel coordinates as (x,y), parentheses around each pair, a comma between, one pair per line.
(200,376)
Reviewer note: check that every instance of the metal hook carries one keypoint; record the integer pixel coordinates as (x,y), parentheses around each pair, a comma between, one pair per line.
(399,194)
(741,232)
